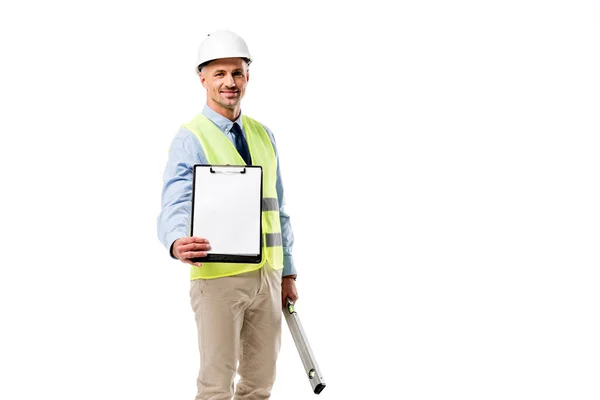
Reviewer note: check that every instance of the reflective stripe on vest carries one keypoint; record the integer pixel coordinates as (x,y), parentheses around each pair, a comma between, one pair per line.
(220,151)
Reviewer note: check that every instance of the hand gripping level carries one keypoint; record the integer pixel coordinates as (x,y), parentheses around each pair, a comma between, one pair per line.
(308,359)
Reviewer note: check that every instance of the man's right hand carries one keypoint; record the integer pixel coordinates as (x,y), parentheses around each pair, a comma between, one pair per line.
(187,248)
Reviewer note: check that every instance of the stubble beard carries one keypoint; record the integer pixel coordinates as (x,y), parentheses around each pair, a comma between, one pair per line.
(228,105)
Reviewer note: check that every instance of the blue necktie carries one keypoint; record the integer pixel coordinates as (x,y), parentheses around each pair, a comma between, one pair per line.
(240,143)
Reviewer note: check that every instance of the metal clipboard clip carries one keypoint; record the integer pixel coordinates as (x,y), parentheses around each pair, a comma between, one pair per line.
(228,169)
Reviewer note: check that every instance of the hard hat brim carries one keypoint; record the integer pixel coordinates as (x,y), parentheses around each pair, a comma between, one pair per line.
(205,63)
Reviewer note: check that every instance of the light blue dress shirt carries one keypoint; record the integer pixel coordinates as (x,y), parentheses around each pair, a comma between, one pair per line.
(176,203)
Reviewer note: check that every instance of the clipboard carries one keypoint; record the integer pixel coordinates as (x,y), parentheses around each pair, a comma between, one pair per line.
(227,210)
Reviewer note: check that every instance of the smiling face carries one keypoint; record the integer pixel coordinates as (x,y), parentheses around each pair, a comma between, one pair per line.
(225,82)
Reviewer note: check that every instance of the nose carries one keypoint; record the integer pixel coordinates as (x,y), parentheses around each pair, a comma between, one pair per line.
(229,81)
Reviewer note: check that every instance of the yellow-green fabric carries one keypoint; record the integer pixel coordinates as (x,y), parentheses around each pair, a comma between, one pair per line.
(220,151)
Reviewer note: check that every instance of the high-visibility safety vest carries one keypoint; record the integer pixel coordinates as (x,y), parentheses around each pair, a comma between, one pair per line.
(220,151)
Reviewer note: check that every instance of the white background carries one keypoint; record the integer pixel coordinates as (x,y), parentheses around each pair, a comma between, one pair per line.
(441,165)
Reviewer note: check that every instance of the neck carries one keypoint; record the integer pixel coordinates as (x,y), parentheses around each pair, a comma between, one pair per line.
(230,113)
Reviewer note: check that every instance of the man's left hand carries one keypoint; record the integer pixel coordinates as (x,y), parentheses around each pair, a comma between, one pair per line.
(288,289)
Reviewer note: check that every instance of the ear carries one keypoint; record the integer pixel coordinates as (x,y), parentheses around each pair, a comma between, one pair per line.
(202,79)
(247,75)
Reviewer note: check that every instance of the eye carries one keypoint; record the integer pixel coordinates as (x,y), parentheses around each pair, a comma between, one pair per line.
(219,74)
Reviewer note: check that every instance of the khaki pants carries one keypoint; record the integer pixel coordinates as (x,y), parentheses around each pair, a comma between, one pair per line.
(239,320)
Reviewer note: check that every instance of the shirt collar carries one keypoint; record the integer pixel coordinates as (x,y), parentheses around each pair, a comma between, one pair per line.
(224,124)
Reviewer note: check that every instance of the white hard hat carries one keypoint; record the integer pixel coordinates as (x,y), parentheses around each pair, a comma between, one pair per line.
(222,44)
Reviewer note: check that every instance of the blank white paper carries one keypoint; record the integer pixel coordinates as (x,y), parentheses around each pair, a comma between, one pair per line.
(227,209)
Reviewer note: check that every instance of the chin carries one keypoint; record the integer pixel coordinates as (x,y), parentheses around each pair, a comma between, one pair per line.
(227,105)
(230,104)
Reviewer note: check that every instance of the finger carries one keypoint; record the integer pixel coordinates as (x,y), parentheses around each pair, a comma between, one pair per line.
(189,240)
(284,298)
(185,240)
(182,251)
(193,246)
(194,264)
(188,255)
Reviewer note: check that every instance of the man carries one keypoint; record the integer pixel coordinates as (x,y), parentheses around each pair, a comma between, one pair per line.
(237,306)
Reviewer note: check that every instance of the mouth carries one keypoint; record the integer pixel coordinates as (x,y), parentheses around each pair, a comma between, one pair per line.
(230,93)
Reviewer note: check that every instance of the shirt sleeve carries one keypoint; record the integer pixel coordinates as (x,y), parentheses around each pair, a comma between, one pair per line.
(287,235)
(176,200)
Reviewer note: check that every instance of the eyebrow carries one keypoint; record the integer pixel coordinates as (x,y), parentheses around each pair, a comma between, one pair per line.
(235,70)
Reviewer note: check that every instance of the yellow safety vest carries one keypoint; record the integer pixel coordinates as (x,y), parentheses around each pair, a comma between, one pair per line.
(220,151)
